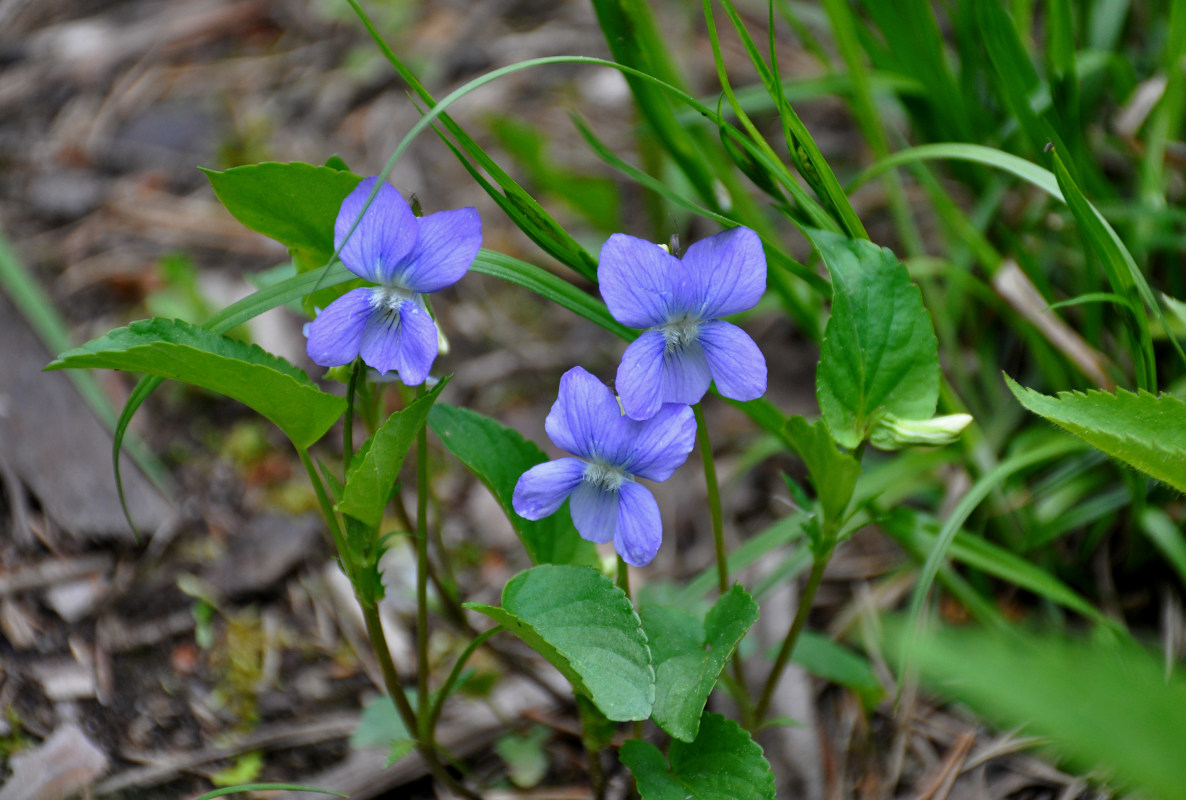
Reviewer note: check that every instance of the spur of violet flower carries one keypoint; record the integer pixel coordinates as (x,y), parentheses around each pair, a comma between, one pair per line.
(685,345)
(408,257)
(611,451)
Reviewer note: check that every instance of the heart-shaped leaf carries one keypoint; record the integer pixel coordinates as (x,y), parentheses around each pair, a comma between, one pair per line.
(586,627)
(689,656)
(879,352)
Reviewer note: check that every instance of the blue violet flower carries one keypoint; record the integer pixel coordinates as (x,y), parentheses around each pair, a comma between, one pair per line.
(686,345)
(408,257)
(605,500)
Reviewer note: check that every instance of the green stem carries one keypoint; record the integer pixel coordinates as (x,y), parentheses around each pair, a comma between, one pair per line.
(788,644)
(348,422)
(399,697)
(624,577)
(714,499)
(447,687)
(422,574)
(327,509)
(718,538)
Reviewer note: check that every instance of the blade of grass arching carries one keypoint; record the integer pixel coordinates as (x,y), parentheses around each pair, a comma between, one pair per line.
(984,556)
(550,287)
(757,99)
(1043,179)
(549,244)
(980,490)
(1121,271)
(519,205)
(49,326)
(865,111)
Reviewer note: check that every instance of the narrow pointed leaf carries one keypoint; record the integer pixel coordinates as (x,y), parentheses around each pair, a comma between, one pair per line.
(879,352)
(586,627)
(689,656)
(180,351)
(1145,431)
(724,763)
(377,465)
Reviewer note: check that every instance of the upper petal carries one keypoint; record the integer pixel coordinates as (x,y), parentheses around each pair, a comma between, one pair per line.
(335,335)
(384,237)
(640,528)
(594,512)
(544,488)
(585,415)
(737,365)
(662,443)
(638,380)
(639,280)
(448,243)
(402,339)
(729,270)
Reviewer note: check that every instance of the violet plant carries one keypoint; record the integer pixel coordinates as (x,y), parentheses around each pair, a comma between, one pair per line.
(878,383)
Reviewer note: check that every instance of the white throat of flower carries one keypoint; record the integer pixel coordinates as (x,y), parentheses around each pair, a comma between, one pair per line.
(390,298)
(680,332)
(604,476)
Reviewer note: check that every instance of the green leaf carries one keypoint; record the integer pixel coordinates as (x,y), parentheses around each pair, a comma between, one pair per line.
(1145,431)
(498,455)
(826,659)
(1101,705)
(879,352)
(585,626)
(376,467)
(833,473)
(296,204)
(526,759)
(724,763)
(380,726)
(233,315)
(180,351)
(689,656)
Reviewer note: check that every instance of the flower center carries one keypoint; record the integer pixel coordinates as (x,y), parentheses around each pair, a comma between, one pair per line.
(390,298)
(605,476)
(680,332)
